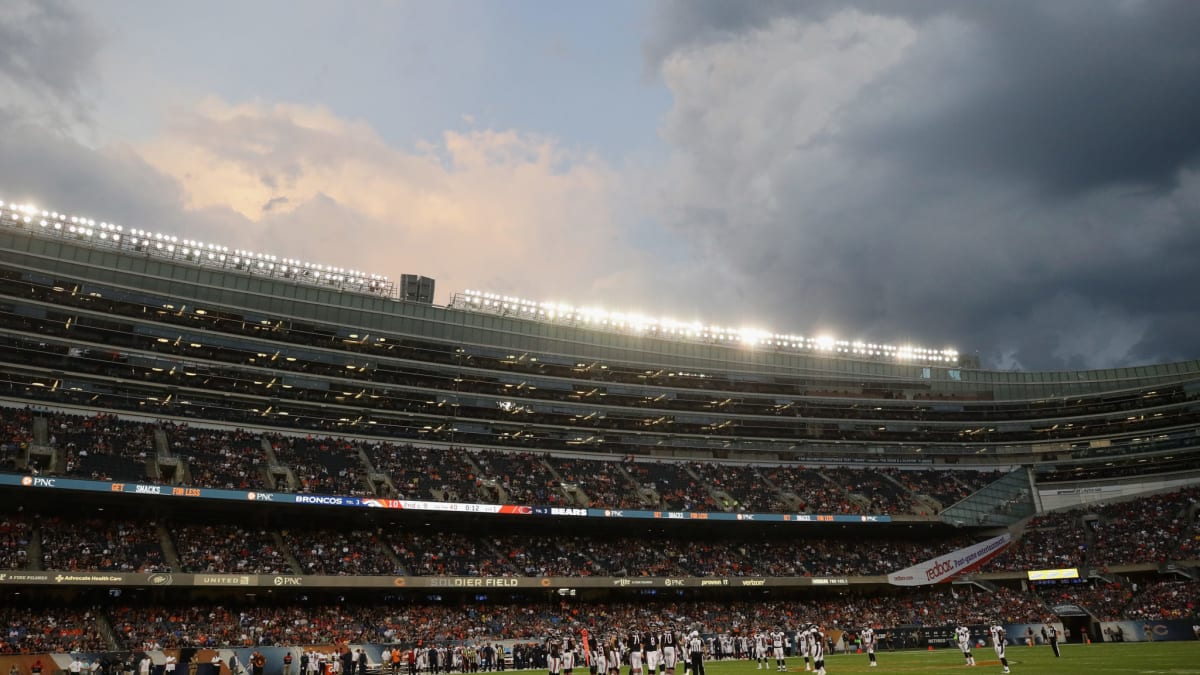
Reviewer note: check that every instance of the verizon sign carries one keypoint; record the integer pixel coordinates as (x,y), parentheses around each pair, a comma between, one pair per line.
(946,567)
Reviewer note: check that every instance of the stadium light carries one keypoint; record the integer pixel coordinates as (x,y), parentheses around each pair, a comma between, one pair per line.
(186,250)
(638,324)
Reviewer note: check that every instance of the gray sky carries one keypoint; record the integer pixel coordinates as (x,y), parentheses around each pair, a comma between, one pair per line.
(1015,179)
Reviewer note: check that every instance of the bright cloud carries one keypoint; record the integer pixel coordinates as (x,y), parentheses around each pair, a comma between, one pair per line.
(481,208)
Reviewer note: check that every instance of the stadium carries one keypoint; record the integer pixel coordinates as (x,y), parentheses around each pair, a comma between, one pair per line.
(211,453)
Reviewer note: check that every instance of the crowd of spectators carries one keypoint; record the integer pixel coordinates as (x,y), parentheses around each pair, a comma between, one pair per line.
(103,446)
(231,460)
(535,556)
(1147,529)
(815,492)
(1165,600)
(256,625)
(947,486)
(811,556)
(107,448)
(94,544)
(228,549)
(339,552)
(16,434)
(741,482)
(322,464)
(1150,529)
(14,541)
(1105,601)
(409,621)
(215,625)
(1050,541)
(883,494)
(433,553)
(420,473)
(605,483)
(36,630)
(522,477)
(677,488)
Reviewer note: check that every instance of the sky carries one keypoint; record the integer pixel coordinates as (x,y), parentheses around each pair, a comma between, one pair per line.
(1017,180)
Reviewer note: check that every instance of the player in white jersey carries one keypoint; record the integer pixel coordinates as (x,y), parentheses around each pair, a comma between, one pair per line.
(777,639)
(805,646)
(760,649)
(963,635)
(868,644)
(999,643)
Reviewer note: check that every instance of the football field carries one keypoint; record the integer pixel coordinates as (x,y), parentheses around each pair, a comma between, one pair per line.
(1137,658)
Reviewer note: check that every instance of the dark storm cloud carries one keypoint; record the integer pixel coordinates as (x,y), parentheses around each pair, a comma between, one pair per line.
(47,52)
(1069,95)
(1017,178)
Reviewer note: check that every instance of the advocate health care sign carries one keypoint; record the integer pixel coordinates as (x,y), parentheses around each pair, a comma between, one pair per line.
(946,567)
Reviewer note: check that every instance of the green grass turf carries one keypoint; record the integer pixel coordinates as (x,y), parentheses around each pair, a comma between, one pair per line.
(1158,658)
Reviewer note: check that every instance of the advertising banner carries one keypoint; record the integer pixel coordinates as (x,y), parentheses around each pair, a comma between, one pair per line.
(182,492)
(126,579)
(946,567)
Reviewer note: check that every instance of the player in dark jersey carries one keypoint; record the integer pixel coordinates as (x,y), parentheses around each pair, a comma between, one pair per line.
(612,655)
(650,652)
(553,654)
(635,651)
(669,654)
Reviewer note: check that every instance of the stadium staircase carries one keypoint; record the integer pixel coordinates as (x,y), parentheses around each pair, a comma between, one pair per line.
(33,554)
(1005,502)
(573,493)
(273,471)
(378,484)
(719,497)
(167,465)
(40,455)
(499,493)
(647,495)
(476,470)
(926,504)
(976,582)
(106,630)
(162,446)
(859,500)
(277,536)
(921,504)
(790,500)
(152,468)
(170,555)
(41,430)
(388,553)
